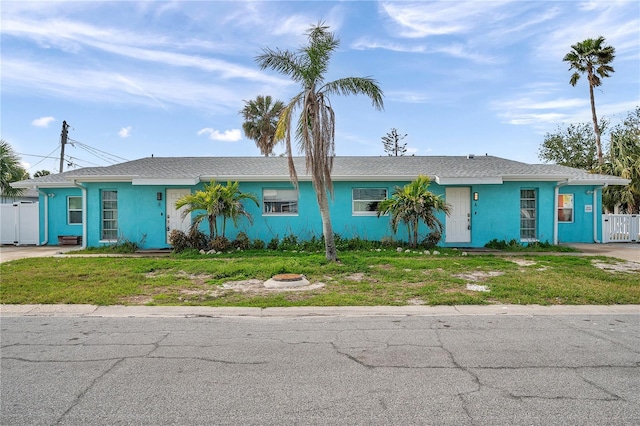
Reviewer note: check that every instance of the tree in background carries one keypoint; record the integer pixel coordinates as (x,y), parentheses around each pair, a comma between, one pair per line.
(260,122)
(315,130)
(392,145)
(624,161)
(412,204)
(593,57)
(10,171)
(41,173)
(574,146)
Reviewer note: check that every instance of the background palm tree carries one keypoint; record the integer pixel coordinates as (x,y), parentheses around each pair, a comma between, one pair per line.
(41,173)
(261,119)
(412,204)
(315,130)
(10,171)
(591,56)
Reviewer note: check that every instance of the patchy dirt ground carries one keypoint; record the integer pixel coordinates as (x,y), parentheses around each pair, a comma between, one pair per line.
(617,266)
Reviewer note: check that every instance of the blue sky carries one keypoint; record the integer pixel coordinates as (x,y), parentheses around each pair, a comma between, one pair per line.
(136,78)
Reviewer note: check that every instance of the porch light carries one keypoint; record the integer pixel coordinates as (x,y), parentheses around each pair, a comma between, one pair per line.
(159,196)
(475,196)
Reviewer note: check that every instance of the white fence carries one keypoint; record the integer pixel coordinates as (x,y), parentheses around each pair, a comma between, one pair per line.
(620,228)
(19,223)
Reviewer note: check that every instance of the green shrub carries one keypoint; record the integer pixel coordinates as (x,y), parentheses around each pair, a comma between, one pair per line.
(197,239)
(178,240)
(257,244)
(241,242)
(219,243)
(273,244)
(432,239)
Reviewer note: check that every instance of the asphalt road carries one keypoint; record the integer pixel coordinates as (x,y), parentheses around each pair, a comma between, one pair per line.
(463,370)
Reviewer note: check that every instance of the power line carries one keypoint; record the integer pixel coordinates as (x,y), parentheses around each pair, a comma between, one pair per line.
(43,157)
(98,153)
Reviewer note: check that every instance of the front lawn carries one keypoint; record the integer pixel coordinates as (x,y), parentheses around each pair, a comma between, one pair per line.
(360,278)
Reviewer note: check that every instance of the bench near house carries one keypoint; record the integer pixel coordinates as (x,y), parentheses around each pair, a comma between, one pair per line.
(492,198)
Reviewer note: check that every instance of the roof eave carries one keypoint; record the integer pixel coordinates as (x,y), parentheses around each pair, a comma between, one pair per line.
(600,182)
(101,178)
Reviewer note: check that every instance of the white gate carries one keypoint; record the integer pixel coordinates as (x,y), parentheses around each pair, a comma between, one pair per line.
(19,223)
(620,228)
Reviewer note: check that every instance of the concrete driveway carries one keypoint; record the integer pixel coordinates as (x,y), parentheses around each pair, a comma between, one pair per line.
(10,252)
(626,251)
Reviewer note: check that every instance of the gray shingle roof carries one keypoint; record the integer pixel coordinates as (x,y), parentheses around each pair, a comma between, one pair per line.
(442,169)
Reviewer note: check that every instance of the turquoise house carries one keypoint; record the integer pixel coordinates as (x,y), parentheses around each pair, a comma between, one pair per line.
(491,197)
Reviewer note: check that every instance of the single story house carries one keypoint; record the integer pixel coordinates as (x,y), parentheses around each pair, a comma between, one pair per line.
(491,197)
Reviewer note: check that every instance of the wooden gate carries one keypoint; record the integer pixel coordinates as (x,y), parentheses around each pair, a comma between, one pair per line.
(620,228)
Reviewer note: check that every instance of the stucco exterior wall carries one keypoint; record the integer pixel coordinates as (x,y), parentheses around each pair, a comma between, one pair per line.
(496,214)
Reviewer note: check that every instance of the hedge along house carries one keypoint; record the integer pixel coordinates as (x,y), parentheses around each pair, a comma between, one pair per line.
(492,198)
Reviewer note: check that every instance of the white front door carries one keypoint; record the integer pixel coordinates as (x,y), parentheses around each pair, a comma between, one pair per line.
(174,216)
(458,224)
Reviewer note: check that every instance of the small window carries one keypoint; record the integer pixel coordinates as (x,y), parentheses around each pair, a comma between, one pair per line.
(565,208)
(528,207)
(109,215)
(366,200)
(280,201)
(74,210)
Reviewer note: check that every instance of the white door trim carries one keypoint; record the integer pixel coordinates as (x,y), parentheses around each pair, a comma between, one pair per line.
(458,224)
(174,218)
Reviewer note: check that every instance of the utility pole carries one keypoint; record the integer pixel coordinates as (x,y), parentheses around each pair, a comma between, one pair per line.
(63,142)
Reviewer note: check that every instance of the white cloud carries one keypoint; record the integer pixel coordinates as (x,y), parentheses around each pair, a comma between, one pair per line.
(232,135)
(441,18)
(43,121)
(364,44)
(104,86)
(125,132)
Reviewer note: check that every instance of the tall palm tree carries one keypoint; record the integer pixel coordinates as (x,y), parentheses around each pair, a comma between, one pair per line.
(315,130)
(206,204)
(10,171)
(261,120)
(232,207)
(593,57)
(412,204)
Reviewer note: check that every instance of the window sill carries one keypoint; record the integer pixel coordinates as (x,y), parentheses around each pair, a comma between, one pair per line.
(279,214)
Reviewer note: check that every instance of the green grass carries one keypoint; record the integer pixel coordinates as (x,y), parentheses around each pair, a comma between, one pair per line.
(363,278)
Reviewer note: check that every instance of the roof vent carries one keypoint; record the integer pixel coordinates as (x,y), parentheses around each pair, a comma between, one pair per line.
(470,156)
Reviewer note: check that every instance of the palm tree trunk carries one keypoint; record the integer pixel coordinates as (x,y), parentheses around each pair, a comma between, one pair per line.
(212,228)
(596,128)
(327,228)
